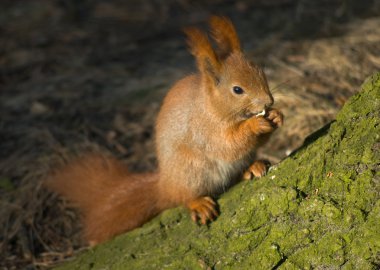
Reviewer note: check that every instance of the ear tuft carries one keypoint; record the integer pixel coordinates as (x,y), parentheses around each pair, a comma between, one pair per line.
(225,36)
(200,46)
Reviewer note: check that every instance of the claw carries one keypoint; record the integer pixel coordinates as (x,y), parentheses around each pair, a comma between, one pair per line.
(257,169)
(276,117)
(203,209)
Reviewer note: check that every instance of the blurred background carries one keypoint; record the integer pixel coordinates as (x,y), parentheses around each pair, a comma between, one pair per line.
(90,75)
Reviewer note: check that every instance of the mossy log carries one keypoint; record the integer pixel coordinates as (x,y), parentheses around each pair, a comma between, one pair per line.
(318,209)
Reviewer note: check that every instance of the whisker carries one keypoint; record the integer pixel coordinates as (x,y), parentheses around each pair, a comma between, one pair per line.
(273,90)
(256,102)
(281,95)
(237,111)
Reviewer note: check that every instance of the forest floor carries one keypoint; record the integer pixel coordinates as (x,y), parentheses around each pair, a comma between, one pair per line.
(90,75)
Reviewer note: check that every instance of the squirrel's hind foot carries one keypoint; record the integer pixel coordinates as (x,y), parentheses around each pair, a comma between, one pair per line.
(203,209)
(258,169)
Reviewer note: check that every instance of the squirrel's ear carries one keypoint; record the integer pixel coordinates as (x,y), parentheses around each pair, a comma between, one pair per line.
(207,61)
(225,36)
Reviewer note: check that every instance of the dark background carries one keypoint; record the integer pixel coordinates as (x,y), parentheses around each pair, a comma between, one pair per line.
(90,75)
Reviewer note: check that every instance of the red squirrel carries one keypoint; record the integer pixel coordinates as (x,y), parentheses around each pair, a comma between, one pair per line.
(207,132)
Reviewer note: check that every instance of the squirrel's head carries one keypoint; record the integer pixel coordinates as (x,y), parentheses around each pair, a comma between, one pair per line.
(237,88)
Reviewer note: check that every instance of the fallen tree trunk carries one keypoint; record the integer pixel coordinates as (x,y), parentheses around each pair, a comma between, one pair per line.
(318,209)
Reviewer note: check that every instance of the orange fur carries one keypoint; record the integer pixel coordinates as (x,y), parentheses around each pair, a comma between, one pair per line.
(206,136)
(201,48)
(225,35)
(111,199)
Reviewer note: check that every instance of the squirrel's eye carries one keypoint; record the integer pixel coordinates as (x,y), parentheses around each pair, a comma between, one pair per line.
(238,90)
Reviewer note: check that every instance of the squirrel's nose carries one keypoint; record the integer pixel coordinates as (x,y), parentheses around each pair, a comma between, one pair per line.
(269,103)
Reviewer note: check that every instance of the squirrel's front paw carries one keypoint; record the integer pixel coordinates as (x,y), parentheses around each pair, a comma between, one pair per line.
(203,209)
(262,125)
(276,117)
(258,169)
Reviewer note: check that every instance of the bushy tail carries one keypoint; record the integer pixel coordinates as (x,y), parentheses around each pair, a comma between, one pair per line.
(111,199)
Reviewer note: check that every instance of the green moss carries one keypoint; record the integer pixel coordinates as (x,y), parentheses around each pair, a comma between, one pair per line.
(318,209)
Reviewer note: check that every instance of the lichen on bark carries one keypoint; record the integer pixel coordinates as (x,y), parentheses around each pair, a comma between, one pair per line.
(318,209)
